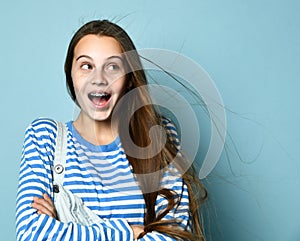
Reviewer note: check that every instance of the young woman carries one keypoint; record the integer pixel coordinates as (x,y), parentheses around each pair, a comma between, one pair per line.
(137,195)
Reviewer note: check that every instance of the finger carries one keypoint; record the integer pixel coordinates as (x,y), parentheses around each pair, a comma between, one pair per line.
(137,230)
(44,206)
(42,209)
(49,200)
(43,202)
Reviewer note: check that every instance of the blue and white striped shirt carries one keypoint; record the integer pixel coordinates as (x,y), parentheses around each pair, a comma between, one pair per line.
(100,175)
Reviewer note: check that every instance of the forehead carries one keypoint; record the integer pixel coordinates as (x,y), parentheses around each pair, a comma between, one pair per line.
(97,46)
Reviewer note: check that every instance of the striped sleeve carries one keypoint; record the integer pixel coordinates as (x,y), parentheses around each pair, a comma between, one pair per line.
(172,133)
(35,179)
(180,214)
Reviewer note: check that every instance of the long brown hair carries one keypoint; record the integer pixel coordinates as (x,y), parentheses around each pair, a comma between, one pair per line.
(140,124)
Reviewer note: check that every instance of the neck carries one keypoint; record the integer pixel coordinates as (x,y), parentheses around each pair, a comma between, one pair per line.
(95,132)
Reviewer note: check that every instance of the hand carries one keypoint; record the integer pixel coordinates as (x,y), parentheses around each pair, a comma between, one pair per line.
(44,206)
(137,230)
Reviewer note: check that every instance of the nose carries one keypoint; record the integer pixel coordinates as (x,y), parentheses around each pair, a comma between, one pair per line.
(98,78)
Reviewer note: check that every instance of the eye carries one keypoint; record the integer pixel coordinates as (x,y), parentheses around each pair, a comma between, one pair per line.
(86,66)
(112,67)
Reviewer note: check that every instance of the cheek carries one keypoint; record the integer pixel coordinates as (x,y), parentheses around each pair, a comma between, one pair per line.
(121,85)
(78,89)
(77,82)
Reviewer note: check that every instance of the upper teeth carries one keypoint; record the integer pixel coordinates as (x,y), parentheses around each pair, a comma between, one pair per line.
(98,94)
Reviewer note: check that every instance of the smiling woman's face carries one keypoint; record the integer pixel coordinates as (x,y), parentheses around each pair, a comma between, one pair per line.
(98,75)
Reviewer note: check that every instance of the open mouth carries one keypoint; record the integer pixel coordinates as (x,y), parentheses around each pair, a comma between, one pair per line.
(99,99)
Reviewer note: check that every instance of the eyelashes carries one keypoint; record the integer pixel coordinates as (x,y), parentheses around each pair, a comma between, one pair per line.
(111,67)
(86,66)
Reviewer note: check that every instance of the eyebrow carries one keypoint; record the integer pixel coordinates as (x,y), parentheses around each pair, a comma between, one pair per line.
(111,57)
(83,56)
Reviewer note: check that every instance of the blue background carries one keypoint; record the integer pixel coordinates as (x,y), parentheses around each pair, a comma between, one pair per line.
(251,49)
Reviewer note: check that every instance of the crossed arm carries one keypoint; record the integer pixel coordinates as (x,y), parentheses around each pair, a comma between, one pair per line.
(36,217)
(46,206)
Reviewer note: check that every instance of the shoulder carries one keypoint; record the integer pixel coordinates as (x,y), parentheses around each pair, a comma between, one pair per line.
(168,124)
(42,126)
(39,144)
(43,122)
(171,130)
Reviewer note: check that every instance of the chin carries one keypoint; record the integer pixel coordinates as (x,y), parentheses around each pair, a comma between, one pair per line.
(104,116)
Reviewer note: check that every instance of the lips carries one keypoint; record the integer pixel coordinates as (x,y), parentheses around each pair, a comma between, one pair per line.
(99,99)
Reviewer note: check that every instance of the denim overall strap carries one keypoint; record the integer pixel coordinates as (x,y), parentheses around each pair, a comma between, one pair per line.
(69,207)
(59,157)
